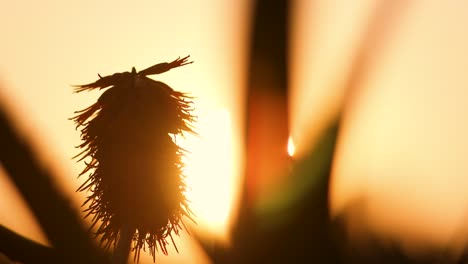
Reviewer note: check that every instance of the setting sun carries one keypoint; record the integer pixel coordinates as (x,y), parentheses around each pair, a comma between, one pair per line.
(209,170)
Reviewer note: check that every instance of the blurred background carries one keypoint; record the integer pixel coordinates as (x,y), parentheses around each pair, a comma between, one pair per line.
(402,152)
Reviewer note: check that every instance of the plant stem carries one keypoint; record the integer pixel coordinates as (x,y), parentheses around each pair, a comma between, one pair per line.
(122,250)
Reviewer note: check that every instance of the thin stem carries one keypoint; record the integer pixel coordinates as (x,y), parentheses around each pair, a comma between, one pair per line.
(122,250)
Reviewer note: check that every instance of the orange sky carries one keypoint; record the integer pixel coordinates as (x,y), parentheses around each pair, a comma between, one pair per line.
(403,147)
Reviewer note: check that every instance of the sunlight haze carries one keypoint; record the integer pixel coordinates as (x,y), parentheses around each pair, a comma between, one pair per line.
(403,146)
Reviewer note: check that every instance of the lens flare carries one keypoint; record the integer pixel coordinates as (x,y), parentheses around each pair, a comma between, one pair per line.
(291,147)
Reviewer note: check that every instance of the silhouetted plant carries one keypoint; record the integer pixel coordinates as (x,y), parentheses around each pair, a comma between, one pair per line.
(136,182)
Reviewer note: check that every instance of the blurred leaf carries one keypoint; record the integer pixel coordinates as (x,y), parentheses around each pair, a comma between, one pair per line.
(51,209)
(309,174)
(15,246)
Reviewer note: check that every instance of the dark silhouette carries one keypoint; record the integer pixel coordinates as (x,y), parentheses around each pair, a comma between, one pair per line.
(134,166)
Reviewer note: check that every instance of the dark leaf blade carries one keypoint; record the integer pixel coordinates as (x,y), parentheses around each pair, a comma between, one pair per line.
(15,246)
(51,209)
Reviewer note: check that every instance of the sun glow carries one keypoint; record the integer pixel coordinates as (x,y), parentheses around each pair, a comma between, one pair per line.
(291,147)
(209,171)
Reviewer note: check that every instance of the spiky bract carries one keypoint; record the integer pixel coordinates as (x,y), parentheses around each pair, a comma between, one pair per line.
(134,166)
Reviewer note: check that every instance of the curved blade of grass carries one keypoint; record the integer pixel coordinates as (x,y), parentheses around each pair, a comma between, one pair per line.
(51,209)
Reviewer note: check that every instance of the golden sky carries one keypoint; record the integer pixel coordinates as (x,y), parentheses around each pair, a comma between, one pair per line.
(403,146)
